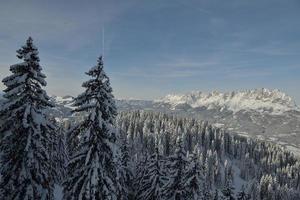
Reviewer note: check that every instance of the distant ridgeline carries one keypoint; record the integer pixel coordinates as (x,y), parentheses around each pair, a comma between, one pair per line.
(87,150)
(269,115)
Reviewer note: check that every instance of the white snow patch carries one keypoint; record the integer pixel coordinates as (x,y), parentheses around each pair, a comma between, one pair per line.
(58,192)
(218,125)
(293,149)
(262,100)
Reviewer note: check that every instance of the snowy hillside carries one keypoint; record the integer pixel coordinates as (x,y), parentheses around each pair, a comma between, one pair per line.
(242,164)
(258,168)
(260,113)
(182,147)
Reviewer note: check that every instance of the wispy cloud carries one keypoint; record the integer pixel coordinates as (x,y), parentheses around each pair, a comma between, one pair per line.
(57,22)
(182,44)
(188,64)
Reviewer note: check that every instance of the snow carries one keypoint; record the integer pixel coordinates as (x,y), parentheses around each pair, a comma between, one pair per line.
(219,125)
(293,149)
(263,100)
(238,182)
(66,101)
(18,65)
(26,113)
(58,192)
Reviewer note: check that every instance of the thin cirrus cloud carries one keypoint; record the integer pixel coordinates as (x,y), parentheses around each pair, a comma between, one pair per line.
(156,47)
(59,33)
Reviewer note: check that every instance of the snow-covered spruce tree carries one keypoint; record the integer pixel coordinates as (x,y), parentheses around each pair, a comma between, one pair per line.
(140,172)
(125,175)
(60,155)
(25,131)
(228,190)
(210,165)
(72,140)
(216,195)
(174,189)
(207,194)
(154,179)
(228,173)
(91,171)
(253,190)
(242,195)
(52,151)
(194,178)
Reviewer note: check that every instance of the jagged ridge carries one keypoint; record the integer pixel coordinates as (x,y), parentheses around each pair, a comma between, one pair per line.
(263,99)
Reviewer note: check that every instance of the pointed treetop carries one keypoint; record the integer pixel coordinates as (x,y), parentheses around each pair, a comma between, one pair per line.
(97,95)
(179,141)
(29,40)
(97,71)
(100,59)
(27,78)
(26,131)
(28,52)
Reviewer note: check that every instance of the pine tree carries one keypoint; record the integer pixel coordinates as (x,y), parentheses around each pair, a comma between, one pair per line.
(60,155)
(207,195)
(242,195)
(25,131)
(51,149)
(216,195)
(153,179)
(278,168)
(174,188)
(253,190)
(194,178)
(72,140)
(209,168)
(228,190)
(265,186)
(140,173)
(125,176)
(92,169)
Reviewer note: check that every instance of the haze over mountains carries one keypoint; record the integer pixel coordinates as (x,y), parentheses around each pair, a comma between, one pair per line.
(265,114)
(274,101)
(261,113)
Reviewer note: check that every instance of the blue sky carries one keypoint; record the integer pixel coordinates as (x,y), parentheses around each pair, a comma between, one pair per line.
(157,47)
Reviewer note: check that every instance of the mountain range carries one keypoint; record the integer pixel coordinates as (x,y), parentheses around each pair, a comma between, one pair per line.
(263,113)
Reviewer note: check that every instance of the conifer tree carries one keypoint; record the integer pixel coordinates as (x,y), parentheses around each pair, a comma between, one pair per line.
(60,157)
(92,169)
(140,171)
(194,178)
(25,131)
(174,188)
(228,190)
(253,190)
(206,192)
(242,195)
(216,195)
(154,179)
(125,176)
